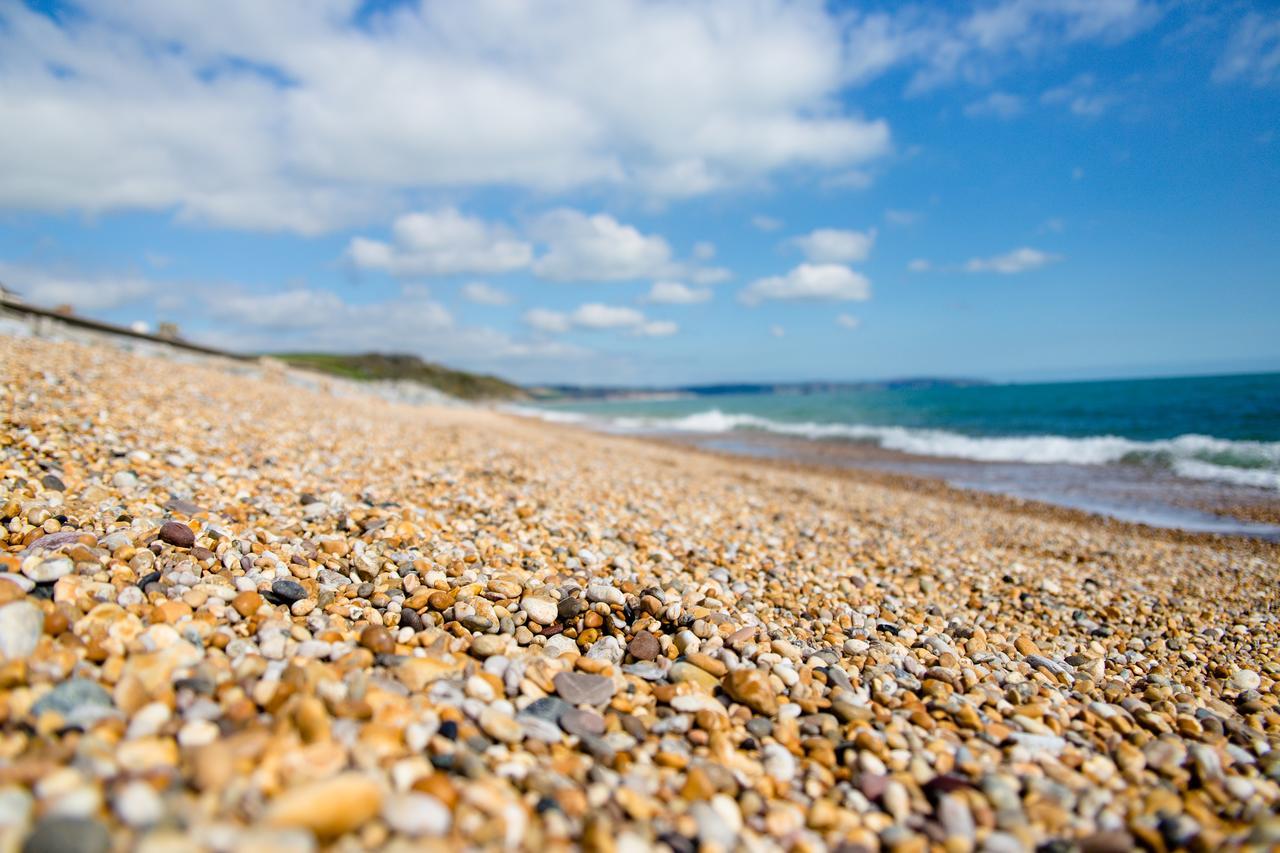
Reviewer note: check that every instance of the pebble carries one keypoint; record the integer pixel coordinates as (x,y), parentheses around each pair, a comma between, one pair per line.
(288,591)
(582,723)
(416,815)
(1244,679)
(328,808)
(579,688)
(79,701)
(751,687)
(48,570)
(543,611)
(177,534)
(58,834)
(21,624)
(644,646)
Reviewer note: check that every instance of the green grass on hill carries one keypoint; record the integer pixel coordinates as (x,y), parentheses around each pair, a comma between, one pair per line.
(373,366)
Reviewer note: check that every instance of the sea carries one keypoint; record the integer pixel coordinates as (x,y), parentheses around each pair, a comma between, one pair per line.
(1198,453)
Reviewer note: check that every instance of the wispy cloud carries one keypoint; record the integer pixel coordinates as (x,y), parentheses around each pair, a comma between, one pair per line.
(676,293)
(996,105)
(1252,53)
(1009,263)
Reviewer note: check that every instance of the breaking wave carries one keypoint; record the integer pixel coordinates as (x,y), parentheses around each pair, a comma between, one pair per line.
(1201,457)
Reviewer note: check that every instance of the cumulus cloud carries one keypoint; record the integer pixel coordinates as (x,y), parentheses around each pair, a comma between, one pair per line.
(325,115)
(597,316)
(442,242)
(546,320)
(596,248)
(810,282)
(847,321)
(1019,260)
(482,293)
(835,246)
(82,292)
(996,105)
(410,321)
(657,329)
(676,293)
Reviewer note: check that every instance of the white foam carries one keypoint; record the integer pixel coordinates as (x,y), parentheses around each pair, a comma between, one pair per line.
(1201,457)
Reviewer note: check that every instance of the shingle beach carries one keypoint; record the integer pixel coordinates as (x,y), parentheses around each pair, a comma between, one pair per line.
(239,614)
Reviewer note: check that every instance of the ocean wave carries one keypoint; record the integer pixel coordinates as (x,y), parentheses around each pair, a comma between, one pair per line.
(1200,457)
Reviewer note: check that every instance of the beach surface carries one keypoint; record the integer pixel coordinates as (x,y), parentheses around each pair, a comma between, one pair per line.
(240,613)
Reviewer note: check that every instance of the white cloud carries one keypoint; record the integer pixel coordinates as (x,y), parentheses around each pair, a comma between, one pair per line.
(82,292)
(777,331)
(442,242)
(709,275)
(835,246)
(920,265)
(825,282)
(766,223)
(595,315)
(300,119)
(482,293)
(1253,51)
(676,293)
(596,248)
(1019,260)
(996,104)
(657,329)
(704,250)
(847,321)
(546,320)
(979,43)
(901,217)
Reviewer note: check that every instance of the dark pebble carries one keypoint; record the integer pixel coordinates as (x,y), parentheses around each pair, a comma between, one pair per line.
(148,579)
(50,481)
(68,835)
(644,646)
(569,608)
(177,534)
(410,618)
(582,723)
(449,729)
(289,591)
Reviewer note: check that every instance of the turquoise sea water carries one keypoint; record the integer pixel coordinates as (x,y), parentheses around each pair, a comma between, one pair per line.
(1219,428)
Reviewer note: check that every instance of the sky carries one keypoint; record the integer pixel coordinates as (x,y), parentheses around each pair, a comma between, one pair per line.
(625,192)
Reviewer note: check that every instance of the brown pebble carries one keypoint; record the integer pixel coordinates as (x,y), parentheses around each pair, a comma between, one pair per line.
(644,646)
(178,534)
(378,640)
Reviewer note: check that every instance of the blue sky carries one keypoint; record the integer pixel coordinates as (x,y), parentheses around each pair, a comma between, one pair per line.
(649,193)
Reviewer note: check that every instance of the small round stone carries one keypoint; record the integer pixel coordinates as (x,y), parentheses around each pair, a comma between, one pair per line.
(644,646)
(177,534)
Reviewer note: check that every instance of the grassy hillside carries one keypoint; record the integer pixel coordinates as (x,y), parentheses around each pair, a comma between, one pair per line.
(372,366)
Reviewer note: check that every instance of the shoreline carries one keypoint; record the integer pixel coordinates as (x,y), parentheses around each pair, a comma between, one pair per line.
(1140,495)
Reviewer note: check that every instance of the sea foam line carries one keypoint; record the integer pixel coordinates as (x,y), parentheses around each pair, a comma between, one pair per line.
(1201,457)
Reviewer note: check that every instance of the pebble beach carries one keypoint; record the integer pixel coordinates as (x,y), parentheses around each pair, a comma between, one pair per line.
(238,614)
